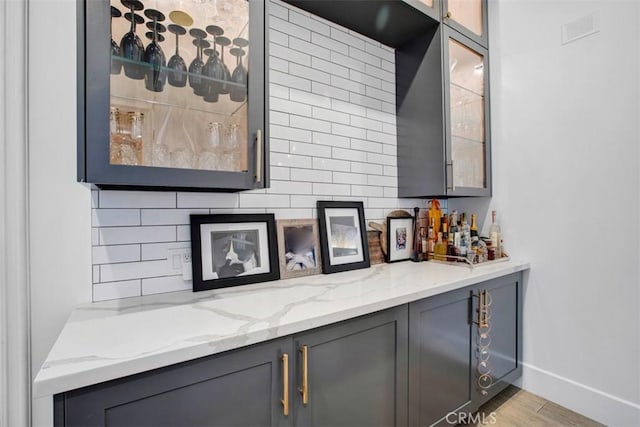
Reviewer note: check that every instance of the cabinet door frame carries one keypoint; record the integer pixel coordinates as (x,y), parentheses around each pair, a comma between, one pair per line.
(72,406)
(93,97)
(508,378)
(397,315)
(450,190)
(434,11)
(482,40)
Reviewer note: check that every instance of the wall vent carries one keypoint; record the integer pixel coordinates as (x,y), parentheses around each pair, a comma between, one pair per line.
(580,28)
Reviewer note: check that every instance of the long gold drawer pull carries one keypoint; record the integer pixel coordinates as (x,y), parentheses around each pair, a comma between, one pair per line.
(304,390)
(285,384)
(259,155)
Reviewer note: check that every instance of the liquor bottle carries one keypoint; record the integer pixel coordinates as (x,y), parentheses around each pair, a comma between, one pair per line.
(455,230)
(465,232)
(495,234)
(424,247)
(474,226)
(431,239)
(445,228)
(440,250)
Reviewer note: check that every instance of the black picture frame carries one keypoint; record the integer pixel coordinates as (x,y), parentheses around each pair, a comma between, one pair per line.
(392,254)
(206,278)
(324,212)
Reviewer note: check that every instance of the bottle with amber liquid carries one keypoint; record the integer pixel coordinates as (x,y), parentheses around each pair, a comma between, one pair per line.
(431,239)
(440,250)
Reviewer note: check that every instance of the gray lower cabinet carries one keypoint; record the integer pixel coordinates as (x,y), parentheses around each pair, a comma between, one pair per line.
(238,388)
(356,372)
(447,347)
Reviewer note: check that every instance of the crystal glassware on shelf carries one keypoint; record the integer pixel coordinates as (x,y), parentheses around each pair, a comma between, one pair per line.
(131,46)
(196,66)
(213,69)
(183,153)
(126,142)
(177,76)
(239,76)
(209,157)
(231,151)
(156,75)
(116,64)
(223,42)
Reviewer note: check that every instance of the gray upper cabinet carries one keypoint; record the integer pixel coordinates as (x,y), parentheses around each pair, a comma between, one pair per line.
(239,388)
(356,372)
(443,123)
(164,98)
(468,17)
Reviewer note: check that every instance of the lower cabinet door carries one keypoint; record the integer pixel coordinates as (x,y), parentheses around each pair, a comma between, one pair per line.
(354,373)
(497,344)
(238,388)
(440,359)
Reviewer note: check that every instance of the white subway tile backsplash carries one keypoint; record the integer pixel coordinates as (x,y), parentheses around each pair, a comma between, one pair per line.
(374,215)
(289,187)
(285,132)
(305,149)
(126,235)
(306,21)
(115,253)
(330,43)
(158,285)
(264,200)
(117,290)
(207,200)
(311,175)
(331,189)
(332,133)
(290,160)
(310,74)
(331,164)
(289,28)
(136,199)
(132,270)
(114,217)
(95,275)
(310,124)
(169,216)
(310,48)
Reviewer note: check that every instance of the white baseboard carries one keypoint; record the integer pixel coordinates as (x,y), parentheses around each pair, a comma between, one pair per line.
(588,401)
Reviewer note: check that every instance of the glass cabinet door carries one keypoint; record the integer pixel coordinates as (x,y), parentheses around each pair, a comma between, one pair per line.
(177,95)
(468,17)
(467,118)
(430,7)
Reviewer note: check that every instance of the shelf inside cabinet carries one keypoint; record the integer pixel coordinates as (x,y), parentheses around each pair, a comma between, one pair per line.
(391,22)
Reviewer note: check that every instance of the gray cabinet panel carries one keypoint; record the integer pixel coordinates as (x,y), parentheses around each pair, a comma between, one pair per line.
(439,357)
(239,388)
(357,372)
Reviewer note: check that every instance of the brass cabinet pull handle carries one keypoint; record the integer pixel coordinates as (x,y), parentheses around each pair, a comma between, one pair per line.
(259,155)
(285,384)
(447,15)
(304,390)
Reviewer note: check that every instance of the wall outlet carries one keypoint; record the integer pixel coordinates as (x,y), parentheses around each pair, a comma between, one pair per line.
(178,259)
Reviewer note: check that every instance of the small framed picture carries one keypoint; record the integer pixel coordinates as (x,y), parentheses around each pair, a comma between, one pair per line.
(298,248)
(399,238)
(231,250)
(343,236)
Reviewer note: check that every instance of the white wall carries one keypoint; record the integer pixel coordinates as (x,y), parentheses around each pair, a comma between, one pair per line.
(566,136)
(60,222)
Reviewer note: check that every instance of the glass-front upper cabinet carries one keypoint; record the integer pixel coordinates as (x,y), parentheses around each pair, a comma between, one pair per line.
(429,7)
(469,17)
(467,117)
(166,99)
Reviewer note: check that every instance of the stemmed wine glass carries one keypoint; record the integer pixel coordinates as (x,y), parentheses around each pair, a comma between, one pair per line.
(196,66)
(116,64)
(131,46)
(224,41)
(240,75)
(213,69)
(156,75)
(178,75)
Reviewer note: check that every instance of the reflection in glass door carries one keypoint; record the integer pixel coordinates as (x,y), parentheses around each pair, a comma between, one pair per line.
(467,13)
(179,84)
(467,116)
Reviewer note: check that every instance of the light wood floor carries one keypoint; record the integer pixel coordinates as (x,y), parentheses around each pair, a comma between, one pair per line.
(515,407)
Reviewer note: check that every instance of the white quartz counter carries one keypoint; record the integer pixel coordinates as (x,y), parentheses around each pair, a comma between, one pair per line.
(114,339)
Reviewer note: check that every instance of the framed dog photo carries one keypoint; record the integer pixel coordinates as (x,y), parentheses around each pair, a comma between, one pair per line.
(298,247)
(399,238)
(232,250)
(343,236)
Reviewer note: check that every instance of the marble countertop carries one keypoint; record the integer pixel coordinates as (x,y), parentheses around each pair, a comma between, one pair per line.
(114,339)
